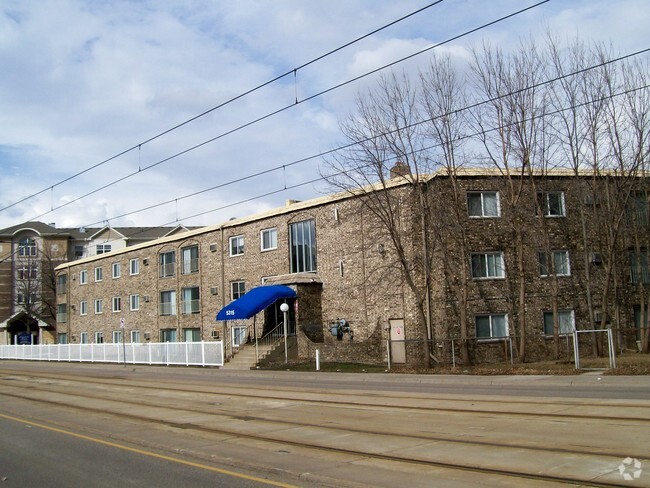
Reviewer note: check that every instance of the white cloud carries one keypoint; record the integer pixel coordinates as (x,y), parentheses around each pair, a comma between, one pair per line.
(83,81)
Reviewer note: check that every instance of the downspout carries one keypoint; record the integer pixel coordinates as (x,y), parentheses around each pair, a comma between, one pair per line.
(223,295)
(427,290)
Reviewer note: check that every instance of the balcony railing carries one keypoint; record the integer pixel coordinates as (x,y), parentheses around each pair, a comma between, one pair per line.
(190,307)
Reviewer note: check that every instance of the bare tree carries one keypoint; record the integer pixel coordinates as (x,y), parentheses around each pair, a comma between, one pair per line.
(507,126)
(385,166)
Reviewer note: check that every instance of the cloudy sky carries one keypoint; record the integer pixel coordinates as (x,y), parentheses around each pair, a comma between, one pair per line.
(89,91)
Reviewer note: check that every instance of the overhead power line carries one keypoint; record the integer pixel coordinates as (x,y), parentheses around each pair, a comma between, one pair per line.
(289,106)
(223,104)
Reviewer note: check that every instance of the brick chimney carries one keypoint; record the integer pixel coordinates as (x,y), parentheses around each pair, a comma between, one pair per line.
(400,169)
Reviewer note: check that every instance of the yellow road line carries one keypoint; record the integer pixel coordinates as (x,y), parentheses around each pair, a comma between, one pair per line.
(149,453)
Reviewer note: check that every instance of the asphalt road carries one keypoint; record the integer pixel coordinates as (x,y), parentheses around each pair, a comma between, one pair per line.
(32,456)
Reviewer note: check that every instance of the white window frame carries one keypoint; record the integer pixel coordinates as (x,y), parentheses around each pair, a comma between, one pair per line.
(134,302)
(116,270)
(491,317)
(136,337)
(235,294)
(167,269)
(496,271)
(563,313)
(99,306)
(83,307)
(83,277)
(239,335)
(236,244)
(134,266)
(543,260)
(172,303)
(117,304)
(117,337)
(103,248)
(545,203)
(272,232)
(482,195)
(99,337)
(83,338)
(99,274)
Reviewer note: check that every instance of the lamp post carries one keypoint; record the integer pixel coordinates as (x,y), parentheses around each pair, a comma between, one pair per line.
(285,308)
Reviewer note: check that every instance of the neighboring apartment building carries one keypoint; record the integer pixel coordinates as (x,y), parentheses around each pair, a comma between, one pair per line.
(511,273)
(29,252)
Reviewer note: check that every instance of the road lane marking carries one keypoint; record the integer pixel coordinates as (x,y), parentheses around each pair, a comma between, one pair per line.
(149,453)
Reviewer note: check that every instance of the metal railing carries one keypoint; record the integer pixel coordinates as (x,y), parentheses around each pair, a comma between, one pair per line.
(159,353)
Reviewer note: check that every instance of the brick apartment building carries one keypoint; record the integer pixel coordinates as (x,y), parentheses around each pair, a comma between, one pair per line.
(493,265)
(29,253)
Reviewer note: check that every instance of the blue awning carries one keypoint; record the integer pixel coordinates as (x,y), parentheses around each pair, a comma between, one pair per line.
(254,301)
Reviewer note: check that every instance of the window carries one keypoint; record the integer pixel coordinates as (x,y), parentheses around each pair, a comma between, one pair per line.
(491,326)
(99,306)
(62,338)
(117,337)
(238,336)
(29,272)
(565,322)
(99,273)
(83,307)
(78,252)
(192,335)
(135,336)
(190,260)
(117,304)
(639,269)
(134,266)
(483,204)
(61,312)
(134,302)
(62,283)
(269,239)
(168,335)
(83,339)
(488,265)
(638,209)
(237,289)
(103,248)
(236,245)
(551,203)
(190,301)
(302,245)
(554,263)
(99,337)
(168,302)
(116,270)
(167,264)
(27,247)
(83,277)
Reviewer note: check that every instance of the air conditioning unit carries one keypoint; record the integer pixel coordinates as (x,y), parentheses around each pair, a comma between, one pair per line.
(213,247)
(214,334)
(146,298)
(596,258)
(214,290)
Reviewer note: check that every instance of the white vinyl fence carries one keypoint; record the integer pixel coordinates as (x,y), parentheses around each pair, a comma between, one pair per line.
(167,353)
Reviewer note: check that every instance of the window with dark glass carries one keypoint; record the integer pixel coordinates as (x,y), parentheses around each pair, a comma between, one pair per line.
(302,245)
(167,264)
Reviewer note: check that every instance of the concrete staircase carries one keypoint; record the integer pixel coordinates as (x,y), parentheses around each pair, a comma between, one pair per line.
(245,357)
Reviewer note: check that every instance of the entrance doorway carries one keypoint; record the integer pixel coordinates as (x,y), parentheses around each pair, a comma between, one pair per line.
(273,317)
(23,331)
(397,344)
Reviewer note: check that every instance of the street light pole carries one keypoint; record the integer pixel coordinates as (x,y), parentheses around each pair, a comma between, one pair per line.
(285,308)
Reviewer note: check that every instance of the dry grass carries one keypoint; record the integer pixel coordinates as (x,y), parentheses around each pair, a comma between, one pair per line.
(627,364)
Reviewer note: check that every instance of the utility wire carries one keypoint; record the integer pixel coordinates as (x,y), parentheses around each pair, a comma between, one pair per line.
(223,104)
(323,178)
(289,106)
